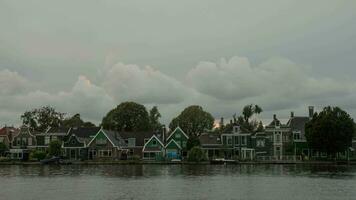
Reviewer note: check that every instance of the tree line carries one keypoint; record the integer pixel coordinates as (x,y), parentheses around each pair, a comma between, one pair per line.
(330,131)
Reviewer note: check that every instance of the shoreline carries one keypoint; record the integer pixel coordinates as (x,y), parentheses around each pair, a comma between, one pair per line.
(184,163)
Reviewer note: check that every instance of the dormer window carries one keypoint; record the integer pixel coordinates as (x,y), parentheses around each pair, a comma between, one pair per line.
(236,129)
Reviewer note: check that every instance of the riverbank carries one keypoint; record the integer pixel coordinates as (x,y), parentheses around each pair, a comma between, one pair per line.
(138,162)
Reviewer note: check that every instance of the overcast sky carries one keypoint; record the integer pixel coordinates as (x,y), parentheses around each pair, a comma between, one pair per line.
(88,56)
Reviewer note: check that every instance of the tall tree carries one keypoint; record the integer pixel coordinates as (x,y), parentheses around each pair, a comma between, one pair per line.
(76,121)
(193,120)
(246,122)
(42,118)
(128,116)
(330,131)
(154,116)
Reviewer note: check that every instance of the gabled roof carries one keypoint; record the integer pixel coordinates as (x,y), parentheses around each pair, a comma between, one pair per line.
(210,139)
(84,134)
(298,123)
(152,149)
(140,136)
(6,131)
(112,136)
(173,141)
(57,131)
(177,129)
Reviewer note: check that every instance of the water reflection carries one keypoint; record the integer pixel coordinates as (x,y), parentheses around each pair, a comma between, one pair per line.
(131,171)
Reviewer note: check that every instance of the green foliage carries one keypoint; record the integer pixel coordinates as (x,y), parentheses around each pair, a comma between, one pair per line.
(154,119)
(54,148)
(37,155)
(193,120)
(42,118)
(128,116)
(196,154)
(193,142)
(245,120)
(76,121)
(330,131)
(3,148)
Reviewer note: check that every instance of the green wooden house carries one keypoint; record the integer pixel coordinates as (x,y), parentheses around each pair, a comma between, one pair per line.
(154,149)
(176,144)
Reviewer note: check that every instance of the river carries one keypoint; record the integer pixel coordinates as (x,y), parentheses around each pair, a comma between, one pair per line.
(177,182)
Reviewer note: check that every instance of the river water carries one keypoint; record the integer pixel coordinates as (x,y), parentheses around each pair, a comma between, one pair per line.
(177,182)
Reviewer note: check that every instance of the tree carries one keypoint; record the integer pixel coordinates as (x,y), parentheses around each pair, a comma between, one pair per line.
(3,148)
(42,118)
(54,148)
(193,142)
(76,121)
(193,120)
(128,116)
(196,154)
(330,131)
(154,119)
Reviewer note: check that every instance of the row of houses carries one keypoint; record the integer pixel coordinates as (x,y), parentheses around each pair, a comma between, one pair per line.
(96,143)
(278,141)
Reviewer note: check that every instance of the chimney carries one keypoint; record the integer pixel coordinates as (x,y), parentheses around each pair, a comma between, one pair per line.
(291,114)
(222,122)
(163,133)
(311,111)
(274,117)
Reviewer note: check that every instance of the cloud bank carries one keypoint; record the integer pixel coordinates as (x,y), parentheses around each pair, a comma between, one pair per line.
(222,88)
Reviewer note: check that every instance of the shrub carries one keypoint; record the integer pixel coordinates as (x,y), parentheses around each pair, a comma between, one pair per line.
(196,154)
(54,148)
(38,155)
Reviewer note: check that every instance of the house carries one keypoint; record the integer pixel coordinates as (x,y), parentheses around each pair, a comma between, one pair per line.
(75,147)
(176,144)
(297,128)
(51,134)
(282,140)
(212,145)
(135,142)
(238,144)
(262,144)
(23,143)
(6,134)
(106,145)
(154,149)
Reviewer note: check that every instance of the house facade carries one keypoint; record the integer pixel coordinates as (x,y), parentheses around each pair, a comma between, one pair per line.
(76,145)
(6,134)
(106,145)
(176,144)
(22,144)
(154,149)
(51,134)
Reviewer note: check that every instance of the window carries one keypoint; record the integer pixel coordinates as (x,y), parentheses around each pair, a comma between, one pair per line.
(24,141)
(131,142)
(178,136)
(18,141)
(243,140)
(47,139)
(154,142)
(30,141)
(297,136)
(184,144)
(260,143)
(54,138)
(101,141)
(105,153)
(229,140)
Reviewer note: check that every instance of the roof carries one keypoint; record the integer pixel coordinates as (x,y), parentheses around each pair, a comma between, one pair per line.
(6,131)
(210,139)
(140,136)
(298,123)
(178,129)
(153,149)
(115,138)
(84,134)
(57,131)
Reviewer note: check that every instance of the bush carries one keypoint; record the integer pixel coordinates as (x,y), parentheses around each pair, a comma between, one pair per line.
(38,155)
(196,154)
(54,148)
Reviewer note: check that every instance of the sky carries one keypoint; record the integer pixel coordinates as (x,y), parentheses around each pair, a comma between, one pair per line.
(88,56)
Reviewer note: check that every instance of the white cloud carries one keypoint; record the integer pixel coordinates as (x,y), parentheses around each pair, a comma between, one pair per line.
(145,85)
(11,82)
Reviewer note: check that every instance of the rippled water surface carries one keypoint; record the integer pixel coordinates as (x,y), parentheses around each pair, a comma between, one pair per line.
(177,182)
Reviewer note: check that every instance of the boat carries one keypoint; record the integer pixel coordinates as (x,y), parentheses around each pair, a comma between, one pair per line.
(222,161)
(53,160)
